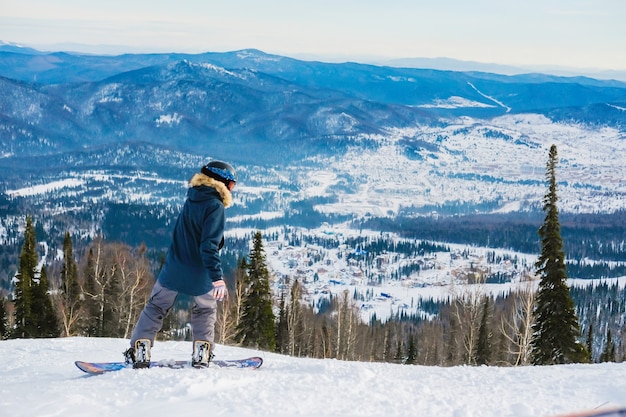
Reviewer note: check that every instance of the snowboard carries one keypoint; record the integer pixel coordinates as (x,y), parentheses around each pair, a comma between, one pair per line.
(97,368)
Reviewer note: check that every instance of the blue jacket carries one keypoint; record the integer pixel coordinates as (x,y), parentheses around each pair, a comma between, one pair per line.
(193,261)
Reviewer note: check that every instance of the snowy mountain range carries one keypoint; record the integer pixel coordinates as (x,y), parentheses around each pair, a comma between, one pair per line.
(375,140)
(105,144)
(61,102)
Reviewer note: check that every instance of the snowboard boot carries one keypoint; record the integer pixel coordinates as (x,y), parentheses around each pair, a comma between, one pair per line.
(139,355)
(201,354)
(129,356)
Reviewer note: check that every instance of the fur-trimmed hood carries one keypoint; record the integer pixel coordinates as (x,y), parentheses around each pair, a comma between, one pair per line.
(201,179)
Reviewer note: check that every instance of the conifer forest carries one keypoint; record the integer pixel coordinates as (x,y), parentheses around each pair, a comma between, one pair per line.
(97,288)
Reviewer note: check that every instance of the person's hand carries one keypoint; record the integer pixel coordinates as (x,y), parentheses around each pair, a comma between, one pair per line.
(220,291)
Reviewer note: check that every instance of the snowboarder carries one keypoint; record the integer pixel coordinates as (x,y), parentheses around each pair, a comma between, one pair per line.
(192,267)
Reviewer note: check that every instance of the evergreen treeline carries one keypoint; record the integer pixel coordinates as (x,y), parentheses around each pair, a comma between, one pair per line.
(101,296)
(34,316)
(102,293)
(602,309)
(598,236)
(594,242)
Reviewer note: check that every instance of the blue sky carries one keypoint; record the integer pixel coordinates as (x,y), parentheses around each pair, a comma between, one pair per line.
(568,33)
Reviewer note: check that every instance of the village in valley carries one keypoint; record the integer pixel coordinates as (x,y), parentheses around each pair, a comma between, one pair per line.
(383,282)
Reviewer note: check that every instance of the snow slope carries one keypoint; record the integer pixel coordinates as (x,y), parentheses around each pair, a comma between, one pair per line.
(39,379)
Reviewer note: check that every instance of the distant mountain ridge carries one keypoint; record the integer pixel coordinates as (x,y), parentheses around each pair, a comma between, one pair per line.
(441,63)
(187,106)
(247,99)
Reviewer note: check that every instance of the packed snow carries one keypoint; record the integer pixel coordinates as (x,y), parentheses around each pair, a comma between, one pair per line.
(39,379)
(46,188)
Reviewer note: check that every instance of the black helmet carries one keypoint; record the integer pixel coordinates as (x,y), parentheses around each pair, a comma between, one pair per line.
(220,171)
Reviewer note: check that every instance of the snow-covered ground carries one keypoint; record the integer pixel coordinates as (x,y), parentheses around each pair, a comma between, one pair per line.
(39,379)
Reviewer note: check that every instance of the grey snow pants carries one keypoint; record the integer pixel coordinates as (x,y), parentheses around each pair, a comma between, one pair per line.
(203,315)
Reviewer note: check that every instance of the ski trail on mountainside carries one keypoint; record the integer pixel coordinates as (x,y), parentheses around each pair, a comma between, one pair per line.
(498,102)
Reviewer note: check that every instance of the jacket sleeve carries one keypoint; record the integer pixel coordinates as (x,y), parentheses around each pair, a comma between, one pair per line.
(212,235)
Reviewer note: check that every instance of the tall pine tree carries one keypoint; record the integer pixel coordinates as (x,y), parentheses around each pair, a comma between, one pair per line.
(257,325)
(69,298)
(34,315)
(556,327)
(482,355)
(44,315)
(25,325)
